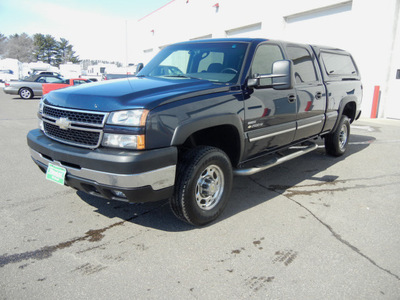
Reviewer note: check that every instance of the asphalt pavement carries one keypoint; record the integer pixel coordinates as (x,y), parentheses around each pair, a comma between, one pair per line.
(316,227)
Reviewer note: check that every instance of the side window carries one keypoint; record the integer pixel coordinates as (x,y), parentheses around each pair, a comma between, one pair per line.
(53,80)
(263,60)
(303,66)
(338,64)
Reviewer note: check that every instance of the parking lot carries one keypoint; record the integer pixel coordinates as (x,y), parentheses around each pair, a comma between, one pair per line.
(316,227)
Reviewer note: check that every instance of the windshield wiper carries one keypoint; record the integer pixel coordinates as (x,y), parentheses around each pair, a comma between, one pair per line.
(182,76)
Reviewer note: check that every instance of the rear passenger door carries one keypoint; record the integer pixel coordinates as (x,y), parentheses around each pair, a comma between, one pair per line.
(310,91)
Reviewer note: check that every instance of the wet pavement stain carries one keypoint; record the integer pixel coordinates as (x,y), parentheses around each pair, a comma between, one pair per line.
(257,283)
(285,256)
(47,251)
(237,251)
(290,195)
(89,269)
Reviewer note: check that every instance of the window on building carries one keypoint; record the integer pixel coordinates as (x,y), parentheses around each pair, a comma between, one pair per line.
(303,66)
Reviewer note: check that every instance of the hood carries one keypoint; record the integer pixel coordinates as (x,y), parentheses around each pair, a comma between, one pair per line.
(138,92)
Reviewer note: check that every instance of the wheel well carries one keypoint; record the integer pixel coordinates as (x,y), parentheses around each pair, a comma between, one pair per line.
(224,137)
(350,111)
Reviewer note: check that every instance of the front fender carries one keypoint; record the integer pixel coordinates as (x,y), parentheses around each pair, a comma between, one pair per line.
(185,130)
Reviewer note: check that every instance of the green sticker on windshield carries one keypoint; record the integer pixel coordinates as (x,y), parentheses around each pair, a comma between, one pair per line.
(56,174)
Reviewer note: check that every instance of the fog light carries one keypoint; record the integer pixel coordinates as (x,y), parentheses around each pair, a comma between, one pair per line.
(118,194)
(123,141)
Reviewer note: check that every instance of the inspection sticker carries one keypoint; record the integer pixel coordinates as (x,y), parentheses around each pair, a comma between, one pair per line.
(56,174)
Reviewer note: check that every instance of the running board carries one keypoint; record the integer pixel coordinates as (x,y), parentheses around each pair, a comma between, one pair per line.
(275,161)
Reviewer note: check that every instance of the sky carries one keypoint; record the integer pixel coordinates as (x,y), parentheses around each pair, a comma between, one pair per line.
(97,29)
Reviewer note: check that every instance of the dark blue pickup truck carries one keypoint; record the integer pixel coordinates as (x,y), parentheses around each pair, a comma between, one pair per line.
(197,114)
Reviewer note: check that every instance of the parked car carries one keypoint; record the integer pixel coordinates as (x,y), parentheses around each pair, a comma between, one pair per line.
(48,87)
(45,73)
(31,86)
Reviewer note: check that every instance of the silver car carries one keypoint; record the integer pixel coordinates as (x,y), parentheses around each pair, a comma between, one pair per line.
(31,86)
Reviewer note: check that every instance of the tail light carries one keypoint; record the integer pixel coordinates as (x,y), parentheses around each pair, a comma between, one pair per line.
(6,84)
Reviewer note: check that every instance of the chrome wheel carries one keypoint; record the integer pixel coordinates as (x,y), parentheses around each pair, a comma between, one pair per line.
(343,135)
(336,142)
(210,187)
(203,185)
(25,93)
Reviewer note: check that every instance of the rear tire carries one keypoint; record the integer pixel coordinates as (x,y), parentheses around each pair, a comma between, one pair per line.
(337,141)
(203,185)
(26,93)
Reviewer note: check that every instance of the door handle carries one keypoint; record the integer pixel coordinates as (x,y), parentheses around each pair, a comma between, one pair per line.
(292,98)
(318,95)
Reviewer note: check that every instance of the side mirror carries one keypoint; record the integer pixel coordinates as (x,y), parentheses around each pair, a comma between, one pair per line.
(139,67)
(281,77)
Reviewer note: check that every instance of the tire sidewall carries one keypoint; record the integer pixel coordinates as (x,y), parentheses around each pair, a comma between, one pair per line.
(193,213)
(332,141)
(344,121)
(25,89)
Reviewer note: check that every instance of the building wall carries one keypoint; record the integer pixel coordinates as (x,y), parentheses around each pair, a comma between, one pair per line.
(365,28)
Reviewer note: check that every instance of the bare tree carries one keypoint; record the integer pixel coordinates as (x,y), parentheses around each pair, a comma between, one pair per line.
(20,46)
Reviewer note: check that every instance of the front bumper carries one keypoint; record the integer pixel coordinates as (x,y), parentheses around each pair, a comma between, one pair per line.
(139,176)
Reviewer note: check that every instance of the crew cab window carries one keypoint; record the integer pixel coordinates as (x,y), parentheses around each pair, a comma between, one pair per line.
(303,66)
(338,64)
(263,60)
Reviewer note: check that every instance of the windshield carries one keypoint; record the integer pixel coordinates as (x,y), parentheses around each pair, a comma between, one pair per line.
(213,61)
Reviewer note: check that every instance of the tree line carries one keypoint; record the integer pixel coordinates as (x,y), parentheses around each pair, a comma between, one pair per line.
(39,47)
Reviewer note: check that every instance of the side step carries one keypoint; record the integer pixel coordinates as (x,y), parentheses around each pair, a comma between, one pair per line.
(275,161)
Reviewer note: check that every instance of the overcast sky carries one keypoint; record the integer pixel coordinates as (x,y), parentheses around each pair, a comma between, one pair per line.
(96,28)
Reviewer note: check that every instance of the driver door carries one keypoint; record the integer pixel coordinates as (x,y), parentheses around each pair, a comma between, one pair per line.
(270,114)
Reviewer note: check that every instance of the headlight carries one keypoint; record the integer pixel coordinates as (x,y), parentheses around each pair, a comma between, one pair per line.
(126,141)
(40,112)
(135,117)
(41,104)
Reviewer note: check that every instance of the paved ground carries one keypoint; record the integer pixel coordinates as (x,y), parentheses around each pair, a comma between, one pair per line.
(314,228)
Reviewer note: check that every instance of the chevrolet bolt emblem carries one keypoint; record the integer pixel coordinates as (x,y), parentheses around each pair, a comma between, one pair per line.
(63,123)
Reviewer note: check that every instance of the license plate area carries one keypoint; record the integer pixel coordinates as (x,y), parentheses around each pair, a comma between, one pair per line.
(56,174)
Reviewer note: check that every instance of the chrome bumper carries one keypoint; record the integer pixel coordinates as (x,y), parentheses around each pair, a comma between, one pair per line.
(158,179)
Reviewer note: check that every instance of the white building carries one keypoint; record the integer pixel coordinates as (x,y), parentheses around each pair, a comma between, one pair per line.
(370,30)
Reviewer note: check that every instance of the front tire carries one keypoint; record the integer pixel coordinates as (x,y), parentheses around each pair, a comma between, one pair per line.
(25,93)
(203,185)
(337,141)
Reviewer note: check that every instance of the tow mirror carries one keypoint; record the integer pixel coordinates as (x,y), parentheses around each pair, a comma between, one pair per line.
(139,67)
(280,79)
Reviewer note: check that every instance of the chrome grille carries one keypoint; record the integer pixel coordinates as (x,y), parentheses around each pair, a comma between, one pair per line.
(79,117)
(73,136)
(84,127)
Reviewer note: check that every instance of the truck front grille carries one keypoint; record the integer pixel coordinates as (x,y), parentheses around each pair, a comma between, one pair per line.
(75,137)
(80,117)
(74,127)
